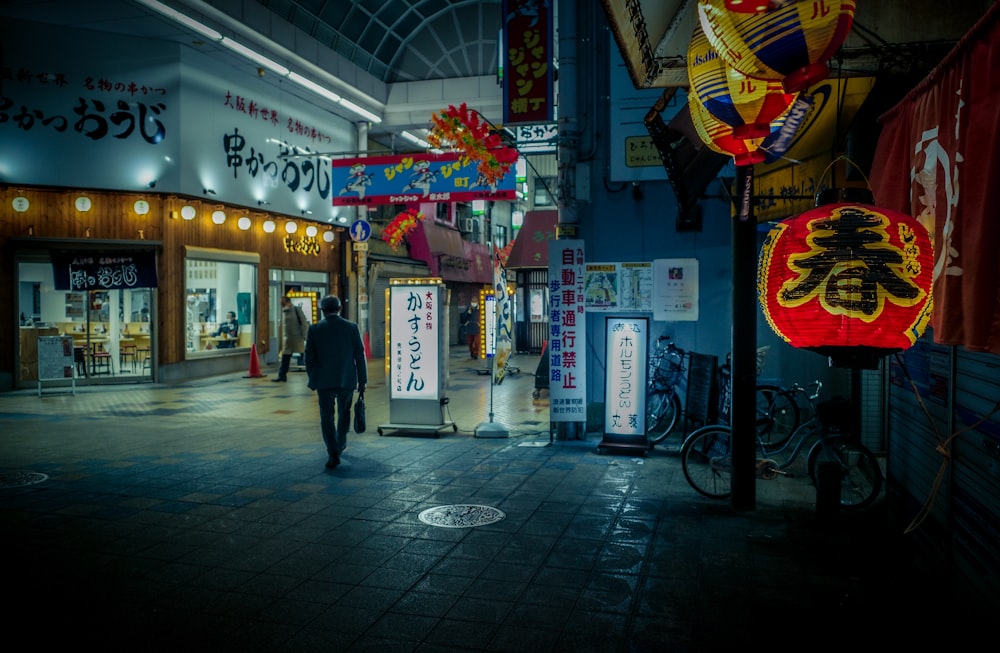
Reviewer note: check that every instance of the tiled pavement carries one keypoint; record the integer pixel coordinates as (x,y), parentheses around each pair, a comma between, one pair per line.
(201,517)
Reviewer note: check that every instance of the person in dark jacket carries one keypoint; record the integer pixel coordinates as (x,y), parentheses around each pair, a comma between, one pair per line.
(230,329)
(335,365)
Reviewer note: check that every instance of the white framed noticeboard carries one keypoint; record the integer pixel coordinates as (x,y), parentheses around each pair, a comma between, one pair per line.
(55,360)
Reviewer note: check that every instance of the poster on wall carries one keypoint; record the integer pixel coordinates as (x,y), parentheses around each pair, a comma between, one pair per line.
(675,289)
(567,332)
(414,337)
(618,286)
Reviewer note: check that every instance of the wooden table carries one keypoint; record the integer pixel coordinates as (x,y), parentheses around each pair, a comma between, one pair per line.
(218,340)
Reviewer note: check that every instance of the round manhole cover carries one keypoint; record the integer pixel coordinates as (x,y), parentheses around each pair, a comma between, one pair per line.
(20,479)
(461,516)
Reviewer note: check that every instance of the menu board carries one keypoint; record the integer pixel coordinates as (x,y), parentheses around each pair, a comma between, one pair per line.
(55,357)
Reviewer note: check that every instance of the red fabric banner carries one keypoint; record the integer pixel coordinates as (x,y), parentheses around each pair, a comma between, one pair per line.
(938,159)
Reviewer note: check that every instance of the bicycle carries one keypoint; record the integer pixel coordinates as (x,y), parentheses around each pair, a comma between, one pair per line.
(663,403)
(706,455)
(773,402)
(778,405)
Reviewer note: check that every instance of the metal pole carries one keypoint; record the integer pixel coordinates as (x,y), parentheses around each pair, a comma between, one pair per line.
(491,429)
(744,345)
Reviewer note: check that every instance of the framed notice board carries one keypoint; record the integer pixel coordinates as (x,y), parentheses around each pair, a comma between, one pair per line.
(700,401)
(55,360)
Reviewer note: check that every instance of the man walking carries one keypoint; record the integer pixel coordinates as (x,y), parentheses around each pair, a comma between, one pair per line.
(335,364)
(293,330)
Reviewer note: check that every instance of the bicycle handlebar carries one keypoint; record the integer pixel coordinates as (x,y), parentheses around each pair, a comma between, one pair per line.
(812,396)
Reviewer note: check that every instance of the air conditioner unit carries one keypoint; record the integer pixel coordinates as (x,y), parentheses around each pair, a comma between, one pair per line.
(469,225)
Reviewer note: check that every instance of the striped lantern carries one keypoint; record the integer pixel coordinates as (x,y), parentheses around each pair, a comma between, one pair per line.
(849,281)
(755,6)
(790,44)
(719,137)
(745,104)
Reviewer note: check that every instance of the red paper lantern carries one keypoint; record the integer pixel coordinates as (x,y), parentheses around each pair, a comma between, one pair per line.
(849,281)
(791,43)
(747,105)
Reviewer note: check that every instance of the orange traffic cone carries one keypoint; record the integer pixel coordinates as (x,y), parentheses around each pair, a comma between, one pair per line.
(254,364)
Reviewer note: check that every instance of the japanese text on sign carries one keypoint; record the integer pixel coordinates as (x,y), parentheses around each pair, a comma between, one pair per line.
(414,341)
(625,378)
(567,332)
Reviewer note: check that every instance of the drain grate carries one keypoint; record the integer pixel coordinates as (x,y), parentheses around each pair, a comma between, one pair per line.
(461,516)
(20,479)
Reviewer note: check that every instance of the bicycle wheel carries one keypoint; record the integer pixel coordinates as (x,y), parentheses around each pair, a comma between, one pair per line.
(779,406)
(662,411)
(860,474)
(707,461)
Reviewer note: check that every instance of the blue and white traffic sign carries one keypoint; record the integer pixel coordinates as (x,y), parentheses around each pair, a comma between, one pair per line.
(361,231)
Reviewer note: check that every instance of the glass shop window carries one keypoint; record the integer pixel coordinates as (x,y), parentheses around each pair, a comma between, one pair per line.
(221,301)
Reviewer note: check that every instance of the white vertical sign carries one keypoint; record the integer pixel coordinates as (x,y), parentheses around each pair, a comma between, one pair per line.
(490,323)
(626,342)
(414,342)
(567,332)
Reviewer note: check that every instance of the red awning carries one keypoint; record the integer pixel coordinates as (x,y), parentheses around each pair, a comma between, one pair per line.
(531,248)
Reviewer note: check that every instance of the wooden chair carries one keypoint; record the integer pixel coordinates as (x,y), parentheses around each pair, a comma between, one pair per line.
(126,354)
(101,360)
(80,358)
(142,354)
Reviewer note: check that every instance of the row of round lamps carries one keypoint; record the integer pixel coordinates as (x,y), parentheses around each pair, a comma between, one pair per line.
(188,212)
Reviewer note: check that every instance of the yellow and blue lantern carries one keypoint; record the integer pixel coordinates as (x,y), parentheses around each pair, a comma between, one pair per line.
(790,44)
(747,105)
(719,137)
(755,6)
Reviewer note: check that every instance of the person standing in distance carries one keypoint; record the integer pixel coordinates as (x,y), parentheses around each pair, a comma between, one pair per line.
(335,365)
(293,328)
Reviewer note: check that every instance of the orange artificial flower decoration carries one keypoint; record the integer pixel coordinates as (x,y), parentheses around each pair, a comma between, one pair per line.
(461,129)
(402,224)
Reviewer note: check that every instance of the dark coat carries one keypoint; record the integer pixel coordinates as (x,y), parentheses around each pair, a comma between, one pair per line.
(294,327)
(335,355)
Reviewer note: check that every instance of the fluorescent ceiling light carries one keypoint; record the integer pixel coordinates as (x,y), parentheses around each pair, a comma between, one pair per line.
(314,87)
(241,49)
(187,21)
(364,113)
(259,59)
(415,139)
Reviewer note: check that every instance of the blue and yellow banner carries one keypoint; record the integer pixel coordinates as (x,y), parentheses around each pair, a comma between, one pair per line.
(406,178)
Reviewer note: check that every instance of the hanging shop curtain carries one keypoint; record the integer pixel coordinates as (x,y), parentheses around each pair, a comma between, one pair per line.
(938,159)
(103,270)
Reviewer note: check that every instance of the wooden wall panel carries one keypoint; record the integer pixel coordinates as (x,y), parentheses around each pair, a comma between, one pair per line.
(52,215)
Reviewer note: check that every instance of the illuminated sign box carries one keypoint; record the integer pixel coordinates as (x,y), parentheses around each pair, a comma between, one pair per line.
(626,343)
(414,336)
